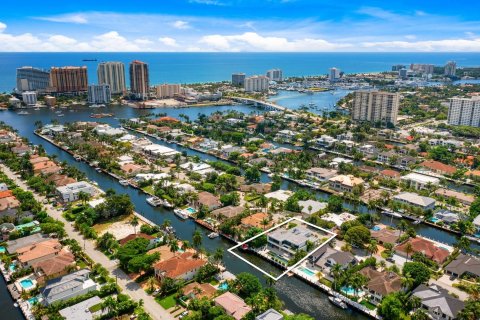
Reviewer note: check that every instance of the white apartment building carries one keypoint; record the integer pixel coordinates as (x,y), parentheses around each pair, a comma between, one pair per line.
(450,68)
(464,112)
(167,90)
(70,192)
(256,83)
(275,74)
(99,93)
(113,74)
(375,106)
(334,74)
(30,98)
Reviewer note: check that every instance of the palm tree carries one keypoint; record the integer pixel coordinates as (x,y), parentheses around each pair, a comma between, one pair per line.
(134,222)
(185,245)
(109,304)
(372,247)
(151,282)
(218,255)
(407,281)
(166,223)
(335,270)
(197,239)
(408,249)
(382,264)
(270,281)
(174,246)
(402,225)
(264,223)
(463,244)
(83,196)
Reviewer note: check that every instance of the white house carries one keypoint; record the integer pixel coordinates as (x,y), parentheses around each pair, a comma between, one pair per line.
(420,181)
(71,191)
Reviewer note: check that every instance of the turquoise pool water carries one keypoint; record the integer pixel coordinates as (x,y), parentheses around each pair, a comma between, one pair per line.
(350,291)
(26,283)
(191,210)
(376,228)
(307,271)
(223,286)
(433,219)
(12,267)
(32,301)
(2,249)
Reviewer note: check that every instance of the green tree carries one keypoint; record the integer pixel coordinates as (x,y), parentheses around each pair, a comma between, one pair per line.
(418,271)
(391,307)
(134,223)
(358,236)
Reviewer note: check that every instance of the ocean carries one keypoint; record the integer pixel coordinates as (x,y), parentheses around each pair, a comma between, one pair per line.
(205,67)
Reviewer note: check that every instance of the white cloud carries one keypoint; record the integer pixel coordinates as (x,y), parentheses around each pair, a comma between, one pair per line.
(180,24)
(113,41)
(208,2)
(168,41)
(3,26)
(251,41)
(410,37)
(143,41)
(67,18)
(446,45)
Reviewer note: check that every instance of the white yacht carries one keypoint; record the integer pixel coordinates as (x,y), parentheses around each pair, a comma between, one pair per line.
(154,201)
(123,182)
(180,213)
(213,235)
(338,302)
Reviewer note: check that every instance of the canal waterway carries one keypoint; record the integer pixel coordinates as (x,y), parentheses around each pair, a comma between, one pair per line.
(298,296)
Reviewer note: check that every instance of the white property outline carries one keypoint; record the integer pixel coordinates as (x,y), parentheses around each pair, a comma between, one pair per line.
(276,227)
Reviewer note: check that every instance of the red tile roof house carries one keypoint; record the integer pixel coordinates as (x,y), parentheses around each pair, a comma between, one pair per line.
(392,174)
(438,167)
(37,252)
(132,236)
(54,267)
(381,284)
(233,305)
(428,248)
(207,199)
(182,266)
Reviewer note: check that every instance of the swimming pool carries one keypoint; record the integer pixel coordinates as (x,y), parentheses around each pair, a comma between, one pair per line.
(2,250)
(191,210)
(307,271)
(223,286)
(376,228)
(26,284)
(32,301)
(350,291)
(12,267)
(434,220)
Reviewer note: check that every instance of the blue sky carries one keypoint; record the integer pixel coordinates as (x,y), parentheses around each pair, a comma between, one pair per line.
(240,25)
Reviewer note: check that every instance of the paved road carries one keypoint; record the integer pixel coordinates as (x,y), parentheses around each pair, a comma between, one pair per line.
(130,287)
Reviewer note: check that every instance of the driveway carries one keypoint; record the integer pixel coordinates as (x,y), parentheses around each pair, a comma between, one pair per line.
(129,287)
(445,282)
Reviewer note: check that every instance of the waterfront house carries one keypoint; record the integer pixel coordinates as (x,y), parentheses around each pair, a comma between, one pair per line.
(151,239)
(464,264)
(53,267)
(420,181)
(107,130)
(391,174)
(405,161)
(461,197)
(227,151)
(288,241)
(335,163)
(311,206)
(280,195)
(21,149)
(270,314)
(326,257)
(413,199)
(438,167)
(60,180)
(438,303)
(8,205)
(339,219)
(425,247)
(325,141)
(132,169)
(256,221)
(260,188)
(82,310)
(183,266)
(286,135)
(446,216)
(37,252)
(45,167)
(14,245)
(387,156)
(208,200)
(68,286)
(320,174)
(367,149)
(195,290)
(386,235)
(344,183)
(381,283)
(233,305)
(476,223)
(228,212)
(70,192)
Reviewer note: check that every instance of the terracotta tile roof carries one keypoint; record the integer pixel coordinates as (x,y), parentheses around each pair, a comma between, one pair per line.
(9,203)
(390,173)
(229,211)
(56,264)
(38,250)
(199,290)
(255,220)
(179,265)
(386,235)
(135,236)
(6,194)
(166,119)
(428,248)
(438,166)
(36,159)
(208,199)
(233,305)
(382,282)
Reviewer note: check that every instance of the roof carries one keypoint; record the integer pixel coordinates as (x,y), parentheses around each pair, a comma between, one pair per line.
(325,253)
(438,166)
(281,195)
(414,198)
(315,205)
(390,173)
(208,199)
(6,194)
(56,264)
(69,283)
(229,211)
(462,197)
(179,265)
(14,245)
(386,235)
(199,290)
(135,236)
(9,203)
(437,297)
(79,311)
(255,220)
(233,305)
(464,264)
(38,250)
(297,235)
(270,314)
(382,282)
(428,248)
(347,180)
(417,177)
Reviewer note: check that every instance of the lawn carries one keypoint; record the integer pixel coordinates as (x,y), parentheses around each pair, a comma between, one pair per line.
(167,302)
(368,305)
(96,307)
(149,189)
(100,227)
